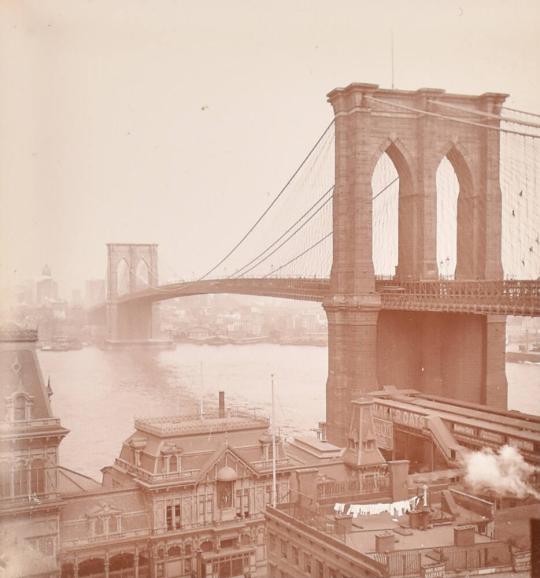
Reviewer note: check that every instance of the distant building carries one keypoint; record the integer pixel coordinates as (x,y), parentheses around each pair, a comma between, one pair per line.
(46,287)
(94,292)
(76,298)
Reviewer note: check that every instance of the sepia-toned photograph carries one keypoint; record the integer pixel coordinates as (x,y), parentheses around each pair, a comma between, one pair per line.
(269,289)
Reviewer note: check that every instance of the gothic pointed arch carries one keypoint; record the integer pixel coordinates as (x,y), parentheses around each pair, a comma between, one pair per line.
(122,277)
(466,219)
(142,274)
(393,249)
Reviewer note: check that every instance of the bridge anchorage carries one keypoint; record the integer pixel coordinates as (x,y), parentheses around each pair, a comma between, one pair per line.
(414,330)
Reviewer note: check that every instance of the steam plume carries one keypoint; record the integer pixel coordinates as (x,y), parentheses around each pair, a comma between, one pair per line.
(504,472)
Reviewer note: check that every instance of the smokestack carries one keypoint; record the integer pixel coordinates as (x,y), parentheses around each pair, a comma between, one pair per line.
(221,404)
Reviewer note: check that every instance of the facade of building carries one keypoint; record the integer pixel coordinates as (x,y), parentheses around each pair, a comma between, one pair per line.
(185,498)
(30,500)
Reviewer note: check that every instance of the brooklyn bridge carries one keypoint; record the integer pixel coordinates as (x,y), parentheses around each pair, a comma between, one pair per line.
(413,219)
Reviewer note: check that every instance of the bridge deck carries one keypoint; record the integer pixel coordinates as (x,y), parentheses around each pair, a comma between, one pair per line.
(483,297)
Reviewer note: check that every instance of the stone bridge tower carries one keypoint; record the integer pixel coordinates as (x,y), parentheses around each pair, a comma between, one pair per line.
(131,267)
(450,354)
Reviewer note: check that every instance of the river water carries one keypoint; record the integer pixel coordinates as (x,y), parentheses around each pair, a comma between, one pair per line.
(97,394)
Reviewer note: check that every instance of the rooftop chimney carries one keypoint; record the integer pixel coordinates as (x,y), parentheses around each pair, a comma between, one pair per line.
(221,404)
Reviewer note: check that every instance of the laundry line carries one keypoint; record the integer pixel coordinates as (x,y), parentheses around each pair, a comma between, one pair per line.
(394,508)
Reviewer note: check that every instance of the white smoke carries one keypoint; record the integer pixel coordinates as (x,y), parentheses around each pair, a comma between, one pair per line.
(504,472)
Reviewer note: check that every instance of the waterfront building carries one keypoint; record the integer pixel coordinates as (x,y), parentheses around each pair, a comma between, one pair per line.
(193,496)
(186,497)
(429,542)
(30,498)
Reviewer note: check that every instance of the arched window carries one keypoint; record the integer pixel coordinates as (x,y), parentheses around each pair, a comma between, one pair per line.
(113,525)
(37,477)
(68,570)
(20,480)
(91,567)
(19,408)
(5,480)
(122,561)
(174,552)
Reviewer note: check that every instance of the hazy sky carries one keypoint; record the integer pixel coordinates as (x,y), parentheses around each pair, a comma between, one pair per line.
(175,122)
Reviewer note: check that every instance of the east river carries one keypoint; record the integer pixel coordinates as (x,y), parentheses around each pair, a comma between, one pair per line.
(98,394)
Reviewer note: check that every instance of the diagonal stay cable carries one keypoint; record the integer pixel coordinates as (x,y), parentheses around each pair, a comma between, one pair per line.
(298,256)
(385,188)
(379,193)
(240,272)
(274,201)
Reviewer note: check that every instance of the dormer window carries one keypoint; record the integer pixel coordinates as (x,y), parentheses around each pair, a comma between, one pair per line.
(19,407)
(171,460)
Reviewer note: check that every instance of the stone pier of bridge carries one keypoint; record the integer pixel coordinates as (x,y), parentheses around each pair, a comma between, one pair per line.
(132,267)
(460,355)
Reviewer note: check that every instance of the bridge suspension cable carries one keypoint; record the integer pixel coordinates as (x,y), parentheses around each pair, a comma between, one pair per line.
(452,118)
(485,114)
(269,207)
(298,256)
(268,255)
(521,111)
(318,242)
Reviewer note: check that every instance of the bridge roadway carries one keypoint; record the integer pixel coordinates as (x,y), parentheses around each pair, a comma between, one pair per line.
(487,297)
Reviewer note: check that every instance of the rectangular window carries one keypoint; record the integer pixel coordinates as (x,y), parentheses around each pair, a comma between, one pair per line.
(246,503)
(272,542)
(238,503)
(320,570)
(295,555)
(307,563)
(202,507)
(170,518)
(177,517)
(284,549)
(113,524)
(209,506)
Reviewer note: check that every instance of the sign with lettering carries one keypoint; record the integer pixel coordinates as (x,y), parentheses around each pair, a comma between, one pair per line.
(384,433)
(520,444)
(434,571)
(464,429)
(521,561)
(491,436)
(400,416)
